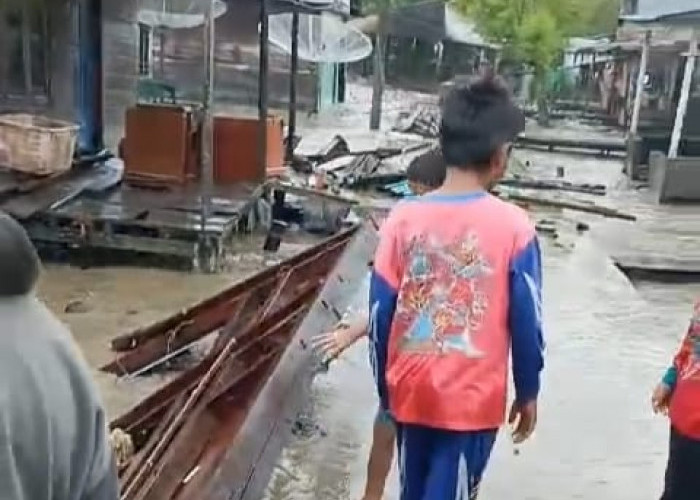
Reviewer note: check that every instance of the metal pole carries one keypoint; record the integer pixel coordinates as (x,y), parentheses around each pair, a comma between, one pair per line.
(207,158)
(294,66)
(262,91)
(683,101)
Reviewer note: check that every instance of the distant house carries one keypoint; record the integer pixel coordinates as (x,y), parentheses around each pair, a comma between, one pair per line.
(670,26)
(665,36)
(430,43)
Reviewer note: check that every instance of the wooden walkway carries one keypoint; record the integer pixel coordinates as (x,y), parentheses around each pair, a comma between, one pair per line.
(165,223)
(664,242)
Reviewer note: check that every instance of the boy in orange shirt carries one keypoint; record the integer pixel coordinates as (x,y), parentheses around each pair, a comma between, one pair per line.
(426,173)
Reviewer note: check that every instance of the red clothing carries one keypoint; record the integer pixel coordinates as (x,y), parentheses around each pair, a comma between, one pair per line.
(456,286)
(685,403)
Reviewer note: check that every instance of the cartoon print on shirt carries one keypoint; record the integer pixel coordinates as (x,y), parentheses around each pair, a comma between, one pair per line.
(442,302)
(691,370)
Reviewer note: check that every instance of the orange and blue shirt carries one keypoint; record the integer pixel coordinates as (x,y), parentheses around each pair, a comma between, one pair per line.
(684,379)
(456,286)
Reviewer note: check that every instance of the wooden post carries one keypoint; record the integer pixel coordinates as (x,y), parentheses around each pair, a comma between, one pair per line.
(27,49)
(263,90)
(685,92)
(294,65)
(592,83)
(161,38)
(375,117)
(639,90)
(207,153)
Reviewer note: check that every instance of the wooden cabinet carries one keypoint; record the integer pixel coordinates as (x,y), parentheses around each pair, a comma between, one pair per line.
(162,145)
(236,149)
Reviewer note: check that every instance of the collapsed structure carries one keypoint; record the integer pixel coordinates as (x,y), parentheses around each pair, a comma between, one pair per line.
(217,429)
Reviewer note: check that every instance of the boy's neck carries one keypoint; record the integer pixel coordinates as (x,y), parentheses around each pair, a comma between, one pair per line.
(462,181)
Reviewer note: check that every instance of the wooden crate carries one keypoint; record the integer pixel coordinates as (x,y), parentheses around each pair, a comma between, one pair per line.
(161,145)
(236,149)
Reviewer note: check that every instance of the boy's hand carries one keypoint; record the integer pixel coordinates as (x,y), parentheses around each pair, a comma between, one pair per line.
(660,398)
(523,418)
(332,344)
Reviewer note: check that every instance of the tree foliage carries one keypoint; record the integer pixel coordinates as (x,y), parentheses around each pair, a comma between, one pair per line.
(534,31)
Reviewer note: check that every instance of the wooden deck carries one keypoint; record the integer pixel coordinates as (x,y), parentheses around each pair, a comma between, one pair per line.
(664,242)
(165,223)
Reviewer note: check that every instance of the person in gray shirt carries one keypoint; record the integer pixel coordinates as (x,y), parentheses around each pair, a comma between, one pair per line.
(53,432)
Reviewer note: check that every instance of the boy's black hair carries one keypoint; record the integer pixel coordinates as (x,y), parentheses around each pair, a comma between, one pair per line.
(428,169)
(476,120)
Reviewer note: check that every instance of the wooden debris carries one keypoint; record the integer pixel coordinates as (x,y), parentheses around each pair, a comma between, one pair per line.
(424,121)
(569,205)
(598,146)
(306,191)
(659,268)
(555,185)
(336,148)
(218,430)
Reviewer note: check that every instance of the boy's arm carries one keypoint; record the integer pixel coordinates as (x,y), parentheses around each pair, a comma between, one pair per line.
(525,319)
(383,293)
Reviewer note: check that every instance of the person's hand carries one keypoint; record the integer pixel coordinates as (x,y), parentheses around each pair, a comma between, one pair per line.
(332,344)
(660,398)
(523,419)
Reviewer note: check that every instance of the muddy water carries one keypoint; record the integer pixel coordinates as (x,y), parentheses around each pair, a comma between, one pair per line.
(101,303)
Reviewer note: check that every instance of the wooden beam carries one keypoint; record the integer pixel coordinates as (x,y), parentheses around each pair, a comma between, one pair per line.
(639,90)
(207,153)
(685,93)
(294,67)
(263,89)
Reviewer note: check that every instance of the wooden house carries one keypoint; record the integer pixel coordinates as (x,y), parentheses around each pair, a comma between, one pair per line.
(83,61)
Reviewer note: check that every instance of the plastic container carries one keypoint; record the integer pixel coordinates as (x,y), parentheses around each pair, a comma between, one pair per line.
(37,145)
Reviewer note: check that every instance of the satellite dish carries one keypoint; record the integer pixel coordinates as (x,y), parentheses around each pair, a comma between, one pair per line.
(177,14)
(322,38)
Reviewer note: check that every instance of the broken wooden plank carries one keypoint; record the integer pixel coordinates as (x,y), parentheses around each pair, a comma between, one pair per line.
(605,146)
(555,185)
(659,268)
(147,346)
(568,205)
(219,435)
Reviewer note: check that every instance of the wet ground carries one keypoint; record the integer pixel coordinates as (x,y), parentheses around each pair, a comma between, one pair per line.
(608,343)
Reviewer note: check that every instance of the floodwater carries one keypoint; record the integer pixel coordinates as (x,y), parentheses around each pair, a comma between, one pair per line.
(609,341)
(99,304)
(608,344)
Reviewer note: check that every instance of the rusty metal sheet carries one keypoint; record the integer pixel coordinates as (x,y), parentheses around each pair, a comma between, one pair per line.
(158,340)
(181,442)
(243,398)
(245,470)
